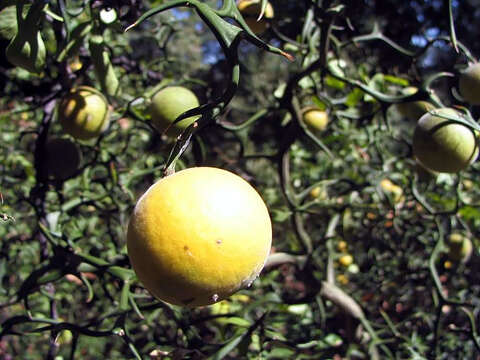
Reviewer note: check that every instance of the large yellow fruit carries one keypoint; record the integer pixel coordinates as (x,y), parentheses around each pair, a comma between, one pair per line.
(63,158)
(469,84)
(198,236)
(315,119)
(443,145)
(83,113)
(250,10)
(167,104)
(414,110)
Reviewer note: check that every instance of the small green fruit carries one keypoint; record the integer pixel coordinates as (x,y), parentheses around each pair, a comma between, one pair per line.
(469,84)
(63,158)
(443,145)
(83,113)
(167,104)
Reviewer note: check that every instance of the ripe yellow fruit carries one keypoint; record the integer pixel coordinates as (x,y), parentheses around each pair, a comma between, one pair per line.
(250,10)
(443,145)
(346,260)
(414,110)
(315,119)
(459,247)
(167,104)
(83,113)
(198,236)
(469,84)
(342,246)
(63,158)
(389,187)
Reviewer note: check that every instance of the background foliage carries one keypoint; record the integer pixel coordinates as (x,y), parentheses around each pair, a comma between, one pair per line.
(67,289)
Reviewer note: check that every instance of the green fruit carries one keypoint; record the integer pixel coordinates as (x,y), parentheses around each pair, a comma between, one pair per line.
(469,84)
(83,113)
(167,104)
(63,158)
(315,119)
(443,145)
(459,247)
(413,110)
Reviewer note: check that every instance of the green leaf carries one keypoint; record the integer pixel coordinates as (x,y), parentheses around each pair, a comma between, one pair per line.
(354,97)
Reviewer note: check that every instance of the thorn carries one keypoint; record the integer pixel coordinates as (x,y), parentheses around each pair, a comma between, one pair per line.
(130,26)
(290,57)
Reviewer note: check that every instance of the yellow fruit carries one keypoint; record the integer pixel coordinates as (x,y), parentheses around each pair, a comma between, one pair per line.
(83,113)
(167,104)
(318,192)
(414,110)
(250,10)
(342,279)
(443,145)
(459,247)
(62,157)
(346,260)
(315,119)
(390,188)
(198,236)
(469,84)
(342,246)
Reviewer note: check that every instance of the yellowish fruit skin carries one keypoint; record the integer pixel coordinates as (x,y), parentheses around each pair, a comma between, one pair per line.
(63,158)
(198,236)
(469,84)
(342,246)
(315,119)
(443,145)
(459,247)
(414,110)
(346,260)
(389,187)
(167,104)
(83,113)
(250,10)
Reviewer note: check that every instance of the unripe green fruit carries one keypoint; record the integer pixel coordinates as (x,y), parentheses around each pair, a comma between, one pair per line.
(469,84)
(443,145)
(414,110)
(459,247)
(315,119)
(62,157)
(250,10)
(83,113)
(167,104)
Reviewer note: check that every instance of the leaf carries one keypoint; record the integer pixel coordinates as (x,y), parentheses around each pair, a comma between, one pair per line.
(354,97)
(230,346)
(396,80)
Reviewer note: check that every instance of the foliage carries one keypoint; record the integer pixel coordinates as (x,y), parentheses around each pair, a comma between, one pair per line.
(67,288)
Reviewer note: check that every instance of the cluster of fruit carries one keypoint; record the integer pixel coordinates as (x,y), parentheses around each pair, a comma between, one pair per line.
(184,220)
(199,235)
